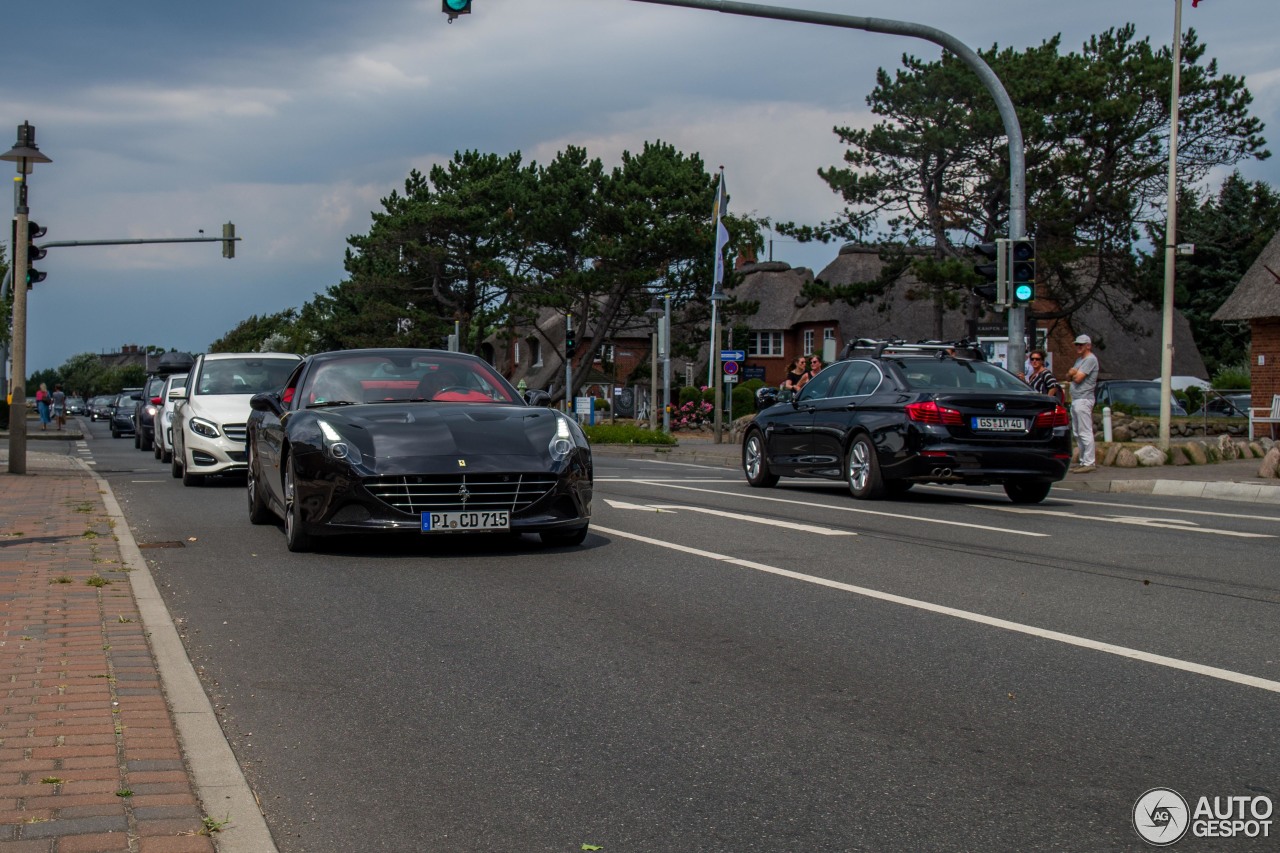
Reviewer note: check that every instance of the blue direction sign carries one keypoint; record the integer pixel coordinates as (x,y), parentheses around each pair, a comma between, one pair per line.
(733,355)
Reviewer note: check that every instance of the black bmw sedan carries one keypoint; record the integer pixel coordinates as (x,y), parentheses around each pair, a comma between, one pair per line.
(427,442)
(913,414)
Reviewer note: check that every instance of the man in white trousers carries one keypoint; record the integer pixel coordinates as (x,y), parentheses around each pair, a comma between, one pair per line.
(1084,381)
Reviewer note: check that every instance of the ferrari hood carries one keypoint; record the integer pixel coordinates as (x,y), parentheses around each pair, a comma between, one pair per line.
(416,430)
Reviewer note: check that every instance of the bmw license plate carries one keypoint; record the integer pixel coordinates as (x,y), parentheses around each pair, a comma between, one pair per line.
(464,522)
(1000,424)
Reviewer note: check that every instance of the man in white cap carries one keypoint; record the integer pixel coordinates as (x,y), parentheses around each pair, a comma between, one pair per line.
(1084,380)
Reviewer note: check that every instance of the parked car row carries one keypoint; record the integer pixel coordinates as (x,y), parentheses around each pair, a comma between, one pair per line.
(377,440)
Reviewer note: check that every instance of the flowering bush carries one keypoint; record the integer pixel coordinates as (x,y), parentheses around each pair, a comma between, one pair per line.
(692,414)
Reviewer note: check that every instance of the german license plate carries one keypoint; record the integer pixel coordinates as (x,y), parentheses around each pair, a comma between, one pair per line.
(464,522)
(1001,424)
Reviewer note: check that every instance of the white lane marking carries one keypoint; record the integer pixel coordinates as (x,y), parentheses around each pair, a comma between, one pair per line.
(664,480)
(941,490)
(1010,530)
(677,464)
(967,615)
(673,509)
(1139,520)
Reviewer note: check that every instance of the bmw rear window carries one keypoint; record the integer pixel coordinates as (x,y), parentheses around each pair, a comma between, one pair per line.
(948,374)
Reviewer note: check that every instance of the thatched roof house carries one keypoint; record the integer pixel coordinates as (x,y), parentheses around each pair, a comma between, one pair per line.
(910,313)
(1256,300)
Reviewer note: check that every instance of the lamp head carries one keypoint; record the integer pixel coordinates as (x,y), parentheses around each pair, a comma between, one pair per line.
(24,152)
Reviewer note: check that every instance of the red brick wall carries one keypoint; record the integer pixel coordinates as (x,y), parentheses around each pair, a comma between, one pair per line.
(1265,378)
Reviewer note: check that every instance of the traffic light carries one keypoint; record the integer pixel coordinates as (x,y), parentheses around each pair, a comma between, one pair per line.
(454,8)
(996,272)
(229,240)
(1022,271)
(35,253)
(570,343)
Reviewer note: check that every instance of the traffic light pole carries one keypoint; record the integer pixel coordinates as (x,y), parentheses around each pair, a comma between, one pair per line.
(1012,129)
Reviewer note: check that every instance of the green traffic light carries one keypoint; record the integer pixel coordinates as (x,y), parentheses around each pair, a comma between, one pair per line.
(1023,293)
(454,8)
(457,5)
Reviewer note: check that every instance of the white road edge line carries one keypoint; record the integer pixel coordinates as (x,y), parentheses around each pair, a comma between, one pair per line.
(1010,530)
(1017,627)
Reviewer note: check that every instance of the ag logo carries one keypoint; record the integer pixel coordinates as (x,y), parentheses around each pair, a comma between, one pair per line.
(1161,816)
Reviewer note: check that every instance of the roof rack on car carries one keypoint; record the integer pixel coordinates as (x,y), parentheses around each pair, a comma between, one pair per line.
(878,348)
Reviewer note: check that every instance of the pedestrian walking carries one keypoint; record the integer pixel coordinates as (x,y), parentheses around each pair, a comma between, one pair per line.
(42,405)
(1084,381)
(59,401)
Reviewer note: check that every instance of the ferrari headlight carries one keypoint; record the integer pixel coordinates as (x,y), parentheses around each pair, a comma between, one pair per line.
(562,442)
(202,427)
(337,446)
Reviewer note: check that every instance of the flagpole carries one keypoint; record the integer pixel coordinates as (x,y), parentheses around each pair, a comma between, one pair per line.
(717,274)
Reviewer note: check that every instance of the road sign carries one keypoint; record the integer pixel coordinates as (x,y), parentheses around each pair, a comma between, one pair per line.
(733,355)
(730,378)
(731,368)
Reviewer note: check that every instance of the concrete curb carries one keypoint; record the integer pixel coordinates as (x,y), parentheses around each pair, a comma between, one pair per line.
(1212,489)
(218,779)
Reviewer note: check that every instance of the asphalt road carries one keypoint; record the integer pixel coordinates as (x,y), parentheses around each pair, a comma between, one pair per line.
(721,668)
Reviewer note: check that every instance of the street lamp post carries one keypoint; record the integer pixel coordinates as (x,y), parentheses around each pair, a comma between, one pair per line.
(662,349)
(26,155)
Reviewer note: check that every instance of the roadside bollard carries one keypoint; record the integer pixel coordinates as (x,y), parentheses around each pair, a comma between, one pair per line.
(1106,424)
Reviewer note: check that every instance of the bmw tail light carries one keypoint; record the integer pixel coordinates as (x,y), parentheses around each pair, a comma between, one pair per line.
(1056,417)
(930,412)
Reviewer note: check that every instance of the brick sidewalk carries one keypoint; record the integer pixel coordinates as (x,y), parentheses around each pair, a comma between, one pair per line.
(89,752)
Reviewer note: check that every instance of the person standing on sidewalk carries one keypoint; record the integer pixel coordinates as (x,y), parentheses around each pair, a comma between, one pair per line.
(1041,377)
(1084,381)
(42,405)
(59,400)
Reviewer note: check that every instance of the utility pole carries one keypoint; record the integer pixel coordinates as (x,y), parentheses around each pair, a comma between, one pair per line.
(966,54)
(1170,238)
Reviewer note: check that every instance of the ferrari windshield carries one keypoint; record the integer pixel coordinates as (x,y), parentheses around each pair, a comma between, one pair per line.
(399,378)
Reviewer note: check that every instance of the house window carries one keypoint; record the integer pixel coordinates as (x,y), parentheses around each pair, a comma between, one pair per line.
(515,355)
(828,334)
(765,344)
(605,355)
(808,341)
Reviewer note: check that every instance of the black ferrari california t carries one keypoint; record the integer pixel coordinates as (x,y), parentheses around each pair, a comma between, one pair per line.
(429,442)
(896,415)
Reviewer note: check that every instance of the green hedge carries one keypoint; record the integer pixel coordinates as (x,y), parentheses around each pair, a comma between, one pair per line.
(626,434)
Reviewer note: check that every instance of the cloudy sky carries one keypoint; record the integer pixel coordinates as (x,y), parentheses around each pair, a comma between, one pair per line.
(292,118)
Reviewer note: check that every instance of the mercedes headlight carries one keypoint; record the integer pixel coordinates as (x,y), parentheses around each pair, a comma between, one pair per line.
(202,427)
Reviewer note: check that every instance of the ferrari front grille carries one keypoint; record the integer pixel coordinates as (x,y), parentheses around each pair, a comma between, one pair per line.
(456,492)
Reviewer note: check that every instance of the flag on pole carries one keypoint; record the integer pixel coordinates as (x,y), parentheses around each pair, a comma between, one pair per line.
(722,233)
